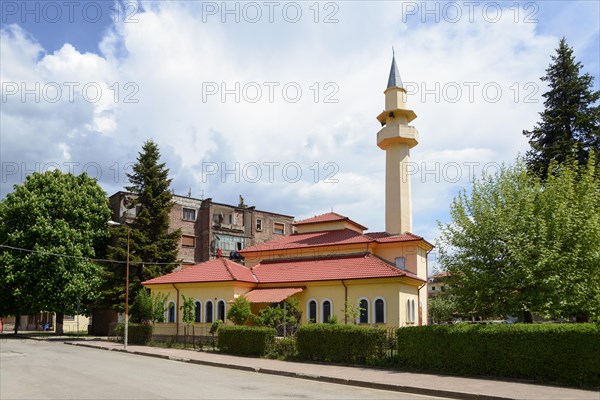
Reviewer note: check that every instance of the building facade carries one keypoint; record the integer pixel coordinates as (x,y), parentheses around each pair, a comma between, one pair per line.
(329,262)
(210,229)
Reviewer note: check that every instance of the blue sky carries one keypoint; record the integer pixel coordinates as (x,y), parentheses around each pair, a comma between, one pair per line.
(278,103)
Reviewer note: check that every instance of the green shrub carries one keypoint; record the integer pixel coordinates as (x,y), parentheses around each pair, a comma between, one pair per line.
(246,340)
(341,343)
(284,348)
(560,353)
(136,333)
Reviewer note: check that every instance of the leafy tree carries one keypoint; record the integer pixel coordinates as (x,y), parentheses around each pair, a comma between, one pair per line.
(153,248)
(441,308)
(515,246)
(52,214)
(351,311)
(148,307)
(187,308)
(240,311)
(570,123)
(280,315)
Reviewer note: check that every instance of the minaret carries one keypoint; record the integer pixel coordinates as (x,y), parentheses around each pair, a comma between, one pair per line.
(397,138)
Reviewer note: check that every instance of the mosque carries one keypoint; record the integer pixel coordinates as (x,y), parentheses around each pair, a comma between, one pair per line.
(330,263)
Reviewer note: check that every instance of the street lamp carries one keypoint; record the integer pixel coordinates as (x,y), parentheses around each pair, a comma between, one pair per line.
(126,333)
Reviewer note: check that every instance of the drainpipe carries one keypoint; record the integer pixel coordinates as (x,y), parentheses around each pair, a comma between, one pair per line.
(419,293)
(419,301)
(176,311)
(345,303)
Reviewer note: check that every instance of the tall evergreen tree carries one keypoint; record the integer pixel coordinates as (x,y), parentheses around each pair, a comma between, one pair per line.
(153,246)
(570,123)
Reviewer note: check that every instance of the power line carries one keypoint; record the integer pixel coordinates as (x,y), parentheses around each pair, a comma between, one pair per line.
(84,258)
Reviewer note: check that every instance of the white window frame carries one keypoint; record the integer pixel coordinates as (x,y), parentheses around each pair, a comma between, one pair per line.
(206,313)
(375,310)
(216,316)
(323,309)
(167,312)
(282,230)
(367,310)
(308,321)
(259,221)
(201,311)
(183,214)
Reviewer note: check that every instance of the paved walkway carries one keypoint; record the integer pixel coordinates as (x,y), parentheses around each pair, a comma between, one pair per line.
(426,384)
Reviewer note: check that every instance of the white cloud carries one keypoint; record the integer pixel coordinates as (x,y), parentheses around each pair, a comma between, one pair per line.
(155,74)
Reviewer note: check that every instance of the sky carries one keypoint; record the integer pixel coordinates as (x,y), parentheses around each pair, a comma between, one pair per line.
(277,101)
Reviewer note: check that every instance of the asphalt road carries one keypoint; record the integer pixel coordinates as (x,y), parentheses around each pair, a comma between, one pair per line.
(51,370)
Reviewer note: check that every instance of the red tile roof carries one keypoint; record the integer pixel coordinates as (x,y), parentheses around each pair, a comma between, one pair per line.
(217,270)
(352,266)
(328,217)
(274,295)
(329,238)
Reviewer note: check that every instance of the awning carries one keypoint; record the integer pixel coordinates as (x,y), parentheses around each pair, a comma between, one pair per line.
(274,295)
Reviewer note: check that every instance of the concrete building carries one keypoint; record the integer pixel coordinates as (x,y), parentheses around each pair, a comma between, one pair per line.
(437,284)
(209,228)
(329,261)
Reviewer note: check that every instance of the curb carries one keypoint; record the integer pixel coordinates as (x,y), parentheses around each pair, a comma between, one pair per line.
(319,378)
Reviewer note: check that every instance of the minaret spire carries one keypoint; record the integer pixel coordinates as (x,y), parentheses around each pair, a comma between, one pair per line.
(396,137)
(394,79)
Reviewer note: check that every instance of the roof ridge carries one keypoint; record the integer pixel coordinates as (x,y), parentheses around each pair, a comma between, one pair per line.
(312,258)
(224,261)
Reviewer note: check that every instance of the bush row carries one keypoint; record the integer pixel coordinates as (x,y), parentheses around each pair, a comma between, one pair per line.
(136,333)
(341,343)
(246,340)
(561,353)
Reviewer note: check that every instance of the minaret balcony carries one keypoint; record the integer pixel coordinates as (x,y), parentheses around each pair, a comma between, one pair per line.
(397,134)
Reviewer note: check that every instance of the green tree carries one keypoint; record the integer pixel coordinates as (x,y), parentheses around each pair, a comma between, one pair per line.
(515,246)
(187,308)
(148,307)
(61,219)
(441,308)
(153,248)
(570,122)
(240,311)
(280,315)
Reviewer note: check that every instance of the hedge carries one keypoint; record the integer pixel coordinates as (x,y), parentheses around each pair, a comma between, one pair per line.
(560,353)
(341,343)
(136,333)
(246,340)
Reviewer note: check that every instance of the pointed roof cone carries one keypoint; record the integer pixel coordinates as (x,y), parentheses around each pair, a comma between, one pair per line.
(394,80)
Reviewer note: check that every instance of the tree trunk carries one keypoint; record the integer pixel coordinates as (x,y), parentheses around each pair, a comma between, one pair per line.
(17,321)
(527,317)
(59,324)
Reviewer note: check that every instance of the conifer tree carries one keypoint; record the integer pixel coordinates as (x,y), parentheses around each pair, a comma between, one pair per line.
(153,246)
(570,122)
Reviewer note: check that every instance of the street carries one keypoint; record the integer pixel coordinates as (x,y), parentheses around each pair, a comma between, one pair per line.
(32,369)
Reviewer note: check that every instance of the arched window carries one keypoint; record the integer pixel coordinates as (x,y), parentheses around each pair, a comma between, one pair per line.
(325,310)
(363,304)
(197,311)
(208,314)
(413,319)
(221,310)
(171,312)
(311,316)
(379,311)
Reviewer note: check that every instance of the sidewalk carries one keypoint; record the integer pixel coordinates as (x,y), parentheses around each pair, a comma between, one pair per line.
(433,385)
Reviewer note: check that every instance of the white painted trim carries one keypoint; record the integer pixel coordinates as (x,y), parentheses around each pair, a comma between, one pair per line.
(167,311)
(206,313)
(308,310)
(201,311)
(330,309)
(224,310)
(375,310)
(368,310)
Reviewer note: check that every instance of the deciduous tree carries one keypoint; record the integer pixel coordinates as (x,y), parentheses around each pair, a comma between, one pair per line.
(61,219)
